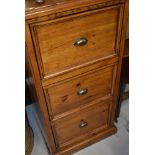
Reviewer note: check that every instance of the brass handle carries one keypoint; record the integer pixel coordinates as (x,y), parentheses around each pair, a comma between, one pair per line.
(83,124)
(82,91)
(39,1)
(81,42)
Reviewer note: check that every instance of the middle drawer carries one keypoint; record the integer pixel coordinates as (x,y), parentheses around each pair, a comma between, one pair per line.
(70,94)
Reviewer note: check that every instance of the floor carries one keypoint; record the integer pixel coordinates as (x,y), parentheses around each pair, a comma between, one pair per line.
(117,144)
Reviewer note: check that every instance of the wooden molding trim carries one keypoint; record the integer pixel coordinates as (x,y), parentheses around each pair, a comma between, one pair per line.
(53,14)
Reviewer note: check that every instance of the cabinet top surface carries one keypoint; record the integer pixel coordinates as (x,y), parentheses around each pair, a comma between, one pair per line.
(34,9)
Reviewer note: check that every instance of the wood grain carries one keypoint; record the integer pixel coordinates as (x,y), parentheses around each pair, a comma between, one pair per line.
(58,70)
(80,69)
(54,40)
(38,94)
(91,139)
(125,16)
(59,8)
(63,96)
(68,128)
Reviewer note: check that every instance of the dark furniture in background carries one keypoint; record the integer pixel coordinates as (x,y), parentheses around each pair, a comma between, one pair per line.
(29,137)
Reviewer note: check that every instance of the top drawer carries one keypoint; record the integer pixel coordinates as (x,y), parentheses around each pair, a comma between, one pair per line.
(72,41)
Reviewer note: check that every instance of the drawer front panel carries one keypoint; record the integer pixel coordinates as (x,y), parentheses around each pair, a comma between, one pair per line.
(80,90)
(76,40)
(78,124)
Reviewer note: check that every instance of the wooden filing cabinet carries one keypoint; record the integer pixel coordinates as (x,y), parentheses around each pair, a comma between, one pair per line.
(73,56)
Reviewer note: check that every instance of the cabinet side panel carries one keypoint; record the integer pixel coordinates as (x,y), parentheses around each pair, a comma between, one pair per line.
(124,16)
(38,92)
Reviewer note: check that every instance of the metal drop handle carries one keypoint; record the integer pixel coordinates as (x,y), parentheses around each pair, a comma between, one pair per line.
(83,124)
(81,42)
(82,91)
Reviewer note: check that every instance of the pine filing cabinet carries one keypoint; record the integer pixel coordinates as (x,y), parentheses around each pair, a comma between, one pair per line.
(73,55)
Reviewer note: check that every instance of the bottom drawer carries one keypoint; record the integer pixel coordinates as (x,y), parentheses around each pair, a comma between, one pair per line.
(75,126)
